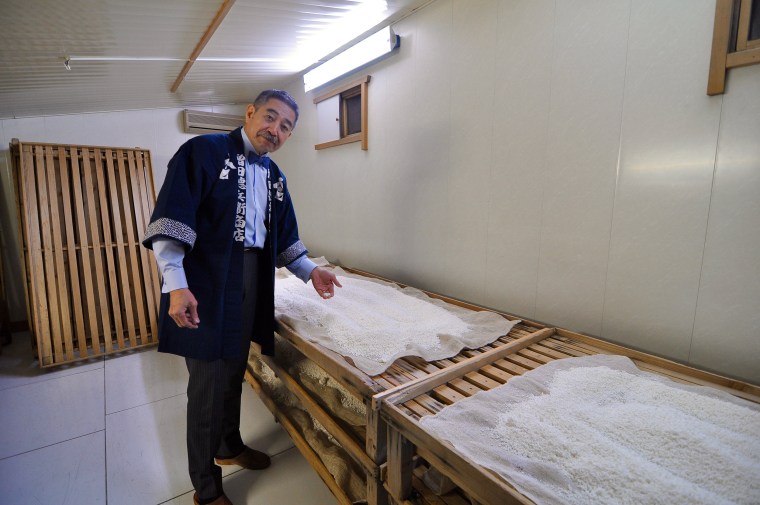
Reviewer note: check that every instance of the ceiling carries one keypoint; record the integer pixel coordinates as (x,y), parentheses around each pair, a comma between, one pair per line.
(127,54)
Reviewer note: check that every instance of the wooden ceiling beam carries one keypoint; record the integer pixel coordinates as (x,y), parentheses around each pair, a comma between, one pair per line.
(223,11)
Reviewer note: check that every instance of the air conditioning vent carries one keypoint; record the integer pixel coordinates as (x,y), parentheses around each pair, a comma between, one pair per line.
(210,122)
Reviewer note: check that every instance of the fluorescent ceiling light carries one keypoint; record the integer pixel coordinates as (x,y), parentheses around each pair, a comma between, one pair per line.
(367,51)
(327,33)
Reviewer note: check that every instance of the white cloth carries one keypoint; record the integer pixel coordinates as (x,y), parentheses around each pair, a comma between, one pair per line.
(373,323)
(598,430)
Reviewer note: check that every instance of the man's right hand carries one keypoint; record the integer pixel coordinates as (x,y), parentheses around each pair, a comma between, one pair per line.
(183,308)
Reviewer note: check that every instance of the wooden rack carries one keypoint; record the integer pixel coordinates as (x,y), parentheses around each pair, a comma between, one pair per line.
(408,442)
(91,288)
(370,452)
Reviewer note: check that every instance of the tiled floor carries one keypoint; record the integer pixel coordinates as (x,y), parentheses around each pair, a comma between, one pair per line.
(113,431)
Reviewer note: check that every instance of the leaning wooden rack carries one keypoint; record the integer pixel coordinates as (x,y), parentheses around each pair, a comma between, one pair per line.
(92,289)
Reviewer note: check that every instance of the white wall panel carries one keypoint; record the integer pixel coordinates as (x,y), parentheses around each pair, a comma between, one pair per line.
(368,200)
(470,147)
(670,130)
(385,197)
(727,324)
(584,125)
(520,124)
(419,191)
(169,136)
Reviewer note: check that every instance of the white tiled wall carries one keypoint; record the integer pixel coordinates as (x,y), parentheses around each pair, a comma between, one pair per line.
(562,161)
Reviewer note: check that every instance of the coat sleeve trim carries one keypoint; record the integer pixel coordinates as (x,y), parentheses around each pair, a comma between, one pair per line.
(291,253)
(165,227)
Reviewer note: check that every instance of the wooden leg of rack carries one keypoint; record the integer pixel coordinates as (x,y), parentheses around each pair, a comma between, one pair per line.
(400,465)
(376,446)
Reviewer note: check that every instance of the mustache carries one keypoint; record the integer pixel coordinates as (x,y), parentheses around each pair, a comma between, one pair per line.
(268,136)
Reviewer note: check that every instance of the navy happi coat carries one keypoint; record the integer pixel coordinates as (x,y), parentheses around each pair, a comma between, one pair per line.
(202,205)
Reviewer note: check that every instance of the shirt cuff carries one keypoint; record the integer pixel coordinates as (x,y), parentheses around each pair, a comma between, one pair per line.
(173,279)
(302,267)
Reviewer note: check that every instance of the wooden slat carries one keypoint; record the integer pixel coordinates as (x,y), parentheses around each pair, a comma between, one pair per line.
(105,216)
(400,453)
(86,272)
(72,263)
(98,258)
(149,196)
(464,367)
(745,7)
(365,113)
(21,220)
(377,450)
(220,15)
(497,374)
(716,80)
(744,58)
(43,197)
(120,252)
(60,270)
(38,297)
(548,351)
(132,253)
(135,173)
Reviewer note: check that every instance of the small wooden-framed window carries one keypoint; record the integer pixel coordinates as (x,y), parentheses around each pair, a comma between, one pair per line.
(736,40)
(342,115)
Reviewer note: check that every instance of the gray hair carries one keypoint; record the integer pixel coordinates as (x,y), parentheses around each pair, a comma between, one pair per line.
(277,94)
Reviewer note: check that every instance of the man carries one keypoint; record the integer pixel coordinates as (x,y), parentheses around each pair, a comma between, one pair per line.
(223,221)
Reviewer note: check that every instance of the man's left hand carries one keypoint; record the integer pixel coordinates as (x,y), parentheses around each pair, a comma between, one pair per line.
(324,282)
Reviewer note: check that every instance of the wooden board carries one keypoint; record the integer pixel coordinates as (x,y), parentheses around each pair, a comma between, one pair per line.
(92,289)
(402,409)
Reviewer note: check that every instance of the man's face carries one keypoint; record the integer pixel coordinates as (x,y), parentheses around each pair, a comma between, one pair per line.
(269,126)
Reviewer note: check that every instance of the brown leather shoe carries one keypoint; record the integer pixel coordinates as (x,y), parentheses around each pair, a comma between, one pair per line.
(249,458)
(222,500)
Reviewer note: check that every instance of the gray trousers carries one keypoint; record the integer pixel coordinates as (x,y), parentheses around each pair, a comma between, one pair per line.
(213,401)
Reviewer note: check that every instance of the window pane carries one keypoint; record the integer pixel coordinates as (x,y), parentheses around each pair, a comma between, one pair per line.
(353,114)
(754,21)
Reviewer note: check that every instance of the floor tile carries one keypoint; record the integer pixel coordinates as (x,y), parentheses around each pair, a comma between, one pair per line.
(68,473)
(45,413)
(146,454)
(19,367)
(143,377)
(290,480)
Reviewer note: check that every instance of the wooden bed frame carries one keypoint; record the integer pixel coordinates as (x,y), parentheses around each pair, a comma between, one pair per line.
(369,453)
(408,441)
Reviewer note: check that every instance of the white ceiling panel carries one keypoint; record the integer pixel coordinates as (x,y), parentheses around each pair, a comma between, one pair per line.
(126,54)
